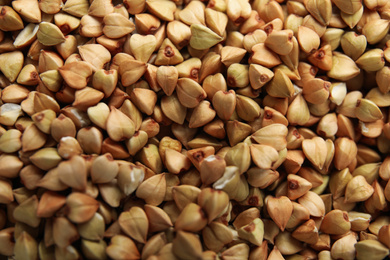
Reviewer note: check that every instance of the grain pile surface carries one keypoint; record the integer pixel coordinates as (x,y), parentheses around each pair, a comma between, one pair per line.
(179,129)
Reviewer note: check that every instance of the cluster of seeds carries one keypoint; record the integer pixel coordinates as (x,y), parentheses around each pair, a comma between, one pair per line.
(179,129)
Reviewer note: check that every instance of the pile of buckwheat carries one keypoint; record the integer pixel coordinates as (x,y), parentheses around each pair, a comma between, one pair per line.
(179,129)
